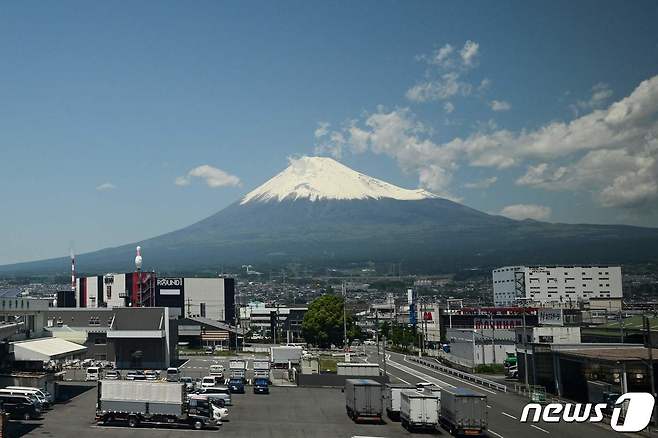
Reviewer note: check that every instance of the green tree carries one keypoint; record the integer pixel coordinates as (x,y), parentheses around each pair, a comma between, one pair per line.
(323,322)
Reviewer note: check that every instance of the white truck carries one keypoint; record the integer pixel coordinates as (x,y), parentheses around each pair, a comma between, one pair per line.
(419,410)
(357,369)
(463,411)
(142,402)
(363,399)
(238,369)
(281,357)
(261,369)
(392,398)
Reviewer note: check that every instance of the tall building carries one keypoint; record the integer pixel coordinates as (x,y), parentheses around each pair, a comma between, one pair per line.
(556,285)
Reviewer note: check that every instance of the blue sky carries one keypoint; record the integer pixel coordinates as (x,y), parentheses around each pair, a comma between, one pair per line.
(532,109)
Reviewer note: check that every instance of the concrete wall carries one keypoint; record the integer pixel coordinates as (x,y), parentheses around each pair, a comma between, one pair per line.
(332,380)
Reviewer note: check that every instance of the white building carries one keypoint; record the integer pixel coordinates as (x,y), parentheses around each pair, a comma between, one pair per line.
(555,285)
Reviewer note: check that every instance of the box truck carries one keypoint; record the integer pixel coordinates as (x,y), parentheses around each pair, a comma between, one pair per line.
(463,411)
(363,399)
(141,402)
(419,410)
(392,398)
(237,368)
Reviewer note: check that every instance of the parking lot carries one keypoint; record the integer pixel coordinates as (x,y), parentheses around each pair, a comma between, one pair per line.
(285,412)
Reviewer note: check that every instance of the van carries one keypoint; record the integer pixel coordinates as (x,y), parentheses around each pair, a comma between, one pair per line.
(44,393)
(93,374)
(211,381)
(19,406)
(20,392)
(173,374)
(43,399)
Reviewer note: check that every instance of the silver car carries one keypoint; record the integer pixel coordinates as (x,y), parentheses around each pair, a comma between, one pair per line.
(218,394)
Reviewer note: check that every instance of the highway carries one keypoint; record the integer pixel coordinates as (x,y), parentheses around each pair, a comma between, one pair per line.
(504,409)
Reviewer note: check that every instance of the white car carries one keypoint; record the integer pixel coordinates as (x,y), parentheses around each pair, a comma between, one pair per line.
(211,381)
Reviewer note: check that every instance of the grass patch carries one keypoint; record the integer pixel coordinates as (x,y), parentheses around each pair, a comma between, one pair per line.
(328,364)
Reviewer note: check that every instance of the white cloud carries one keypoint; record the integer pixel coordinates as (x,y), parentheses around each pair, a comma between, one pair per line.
(482,184)
(105,187)
(500,105)
(527,211)
(469,52)
(322,129)
(212,176)
(448,107)
(601,92)
(444,76)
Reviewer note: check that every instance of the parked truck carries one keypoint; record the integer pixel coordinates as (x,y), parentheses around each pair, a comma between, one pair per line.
(238,369)
(261,369)
(419,410)
(392,398)
(463,411)
(141,402)
(363,399)
(281,356)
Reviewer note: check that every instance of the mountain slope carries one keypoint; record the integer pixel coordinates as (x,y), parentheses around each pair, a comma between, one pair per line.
(322,213)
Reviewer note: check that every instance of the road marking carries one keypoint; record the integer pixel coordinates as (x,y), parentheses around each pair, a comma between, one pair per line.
(539,428)
(482,388)
(509,415)
(419,374)
(184,363)
(399,378)
(497,434)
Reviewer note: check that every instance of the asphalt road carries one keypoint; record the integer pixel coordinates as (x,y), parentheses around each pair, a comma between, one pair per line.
(504,409)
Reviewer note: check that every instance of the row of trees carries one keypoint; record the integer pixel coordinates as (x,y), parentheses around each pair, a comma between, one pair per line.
(323,322)
(323,326)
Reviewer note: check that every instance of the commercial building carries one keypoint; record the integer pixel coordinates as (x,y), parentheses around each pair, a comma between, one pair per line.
(212,298)
(198,332)
(563,286)
(482,346)
(131,337)
(283,322)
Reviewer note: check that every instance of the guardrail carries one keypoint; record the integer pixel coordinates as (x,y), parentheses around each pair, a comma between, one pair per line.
(459,374)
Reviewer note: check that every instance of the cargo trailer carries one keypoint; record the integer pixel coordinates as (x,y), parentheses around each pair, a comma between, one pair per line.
(261,369)
(363,399)
(143,402)
(392,398)
(463,411)
(238,369)
(419,410)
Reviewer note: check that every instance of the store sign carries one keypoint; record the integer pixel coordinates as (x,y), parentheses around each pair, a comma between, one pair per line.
(551,317)
(170,282)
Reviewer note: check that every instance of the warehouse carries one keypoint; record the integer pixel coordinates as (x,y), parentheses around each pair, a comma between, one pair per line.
(555,285)
(129,337)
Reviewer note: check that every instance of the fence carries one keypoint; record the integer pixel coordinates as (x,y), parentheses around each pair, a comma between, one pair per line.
(459,374)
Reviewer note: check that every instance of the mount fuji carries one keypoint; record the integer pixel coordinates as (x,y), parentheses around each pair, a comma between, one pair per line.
(320,213)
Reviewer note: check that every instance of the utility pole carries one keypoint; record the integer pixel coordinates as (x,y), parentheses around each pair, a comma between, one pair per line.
(525,350)
(344,319)
(647,328)
(493,337)
(384,337)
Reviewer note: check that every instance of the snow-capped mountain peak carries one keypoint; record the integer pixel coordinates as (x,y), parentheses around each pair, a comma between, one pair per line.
(323,178)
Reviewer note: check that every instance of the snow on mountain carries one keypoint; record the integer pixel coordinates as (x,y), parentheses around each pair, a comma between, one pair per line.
(316,178)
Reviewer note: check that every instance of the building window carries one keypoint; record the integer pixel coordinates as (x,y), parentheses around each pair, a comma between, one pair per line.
(202,310)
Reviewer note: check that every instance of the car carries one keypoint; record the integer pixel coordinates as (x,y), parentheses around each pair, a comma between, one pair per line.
(173,374)
(42,392)
(211,381)
(20,406)
(93,374)
(420,386)
(236,386)
(112,375)
(209,351)
(135,375)
(189,383)
(220,395)
(261,386)
(151,375)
